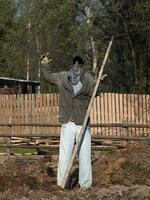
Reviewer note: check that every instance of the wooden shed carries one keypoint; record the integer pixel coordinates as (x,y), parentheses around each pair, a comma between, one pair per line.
(18,86)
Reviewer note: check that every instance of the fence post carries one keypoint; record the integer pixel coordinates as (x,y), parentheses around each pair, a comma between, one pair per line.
(8,150)
(125,133)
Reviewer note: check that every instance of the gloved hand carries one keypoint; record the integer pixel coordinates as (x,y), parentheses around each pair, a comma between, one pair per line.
(45,58)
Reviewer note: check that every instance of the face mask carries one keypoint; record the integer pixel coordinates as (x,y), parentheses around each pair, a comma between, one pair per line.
(74,75)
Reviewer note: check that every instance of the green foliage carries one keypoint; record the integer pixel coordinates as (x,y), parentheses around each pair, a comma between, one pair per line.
(60,27)
(6,33)
(128,70)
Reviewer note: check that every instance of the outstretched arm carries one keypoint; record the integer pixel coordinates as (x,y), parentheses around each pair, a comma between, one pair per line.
(52,78)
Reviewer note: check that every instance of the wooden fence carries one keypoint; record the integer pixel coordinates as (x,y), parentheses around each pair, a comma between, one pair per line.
(43,108)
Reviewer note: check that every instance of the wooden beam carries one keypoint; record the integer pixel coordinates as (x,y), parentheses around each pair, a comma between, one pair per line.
(123,125)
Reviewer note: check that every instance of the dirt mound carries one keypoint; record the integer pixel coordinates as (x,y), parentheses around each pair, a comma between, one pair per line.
(121,175)
(126,167)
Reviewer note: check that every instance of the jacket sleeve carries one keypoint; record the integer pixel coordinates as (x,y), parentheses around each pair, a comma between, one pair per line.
(50,77)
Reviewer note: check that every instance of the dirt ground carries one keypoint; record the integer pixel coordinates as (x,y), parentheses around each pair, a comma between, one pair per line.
(121,175)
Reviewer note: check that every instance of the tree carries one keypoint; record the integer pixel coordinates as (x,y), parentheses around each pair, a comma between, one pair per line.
(29,28)
(129,69)
(6,37)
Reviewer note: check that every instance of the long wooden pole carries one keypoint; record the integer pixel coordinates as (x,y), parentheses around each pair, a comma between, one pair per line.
(67,173)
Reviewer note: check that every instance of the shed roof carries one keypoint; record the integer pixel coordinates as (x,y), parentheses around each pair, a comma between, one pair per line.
(22,81)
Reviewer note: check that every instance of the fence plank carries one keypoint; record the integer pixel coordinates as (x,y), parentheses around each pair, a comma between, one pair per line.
(94,114)
(136,113)
(106,111)
(148,110)
(98,113)
(117,113)
(113,112)
(44,108)
(110,112)
(47,109)
(102,113)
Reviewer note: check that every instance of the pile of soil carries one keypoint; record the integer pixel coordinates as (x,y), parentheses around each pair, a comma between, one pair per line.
(121,175)
(126,167)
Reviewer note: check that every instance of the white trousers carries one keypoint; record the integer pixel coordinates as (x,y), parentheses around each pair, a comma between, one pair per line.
(70,133)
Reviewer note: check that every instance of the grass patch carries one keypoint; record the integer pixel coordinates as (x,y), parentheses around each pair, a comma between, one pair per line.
(18,150)
(22,150)
(2,150)
(105,152)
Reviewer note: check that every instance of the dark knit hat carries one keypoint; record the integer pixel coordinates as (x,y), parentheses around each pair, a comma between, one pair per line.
(78,57)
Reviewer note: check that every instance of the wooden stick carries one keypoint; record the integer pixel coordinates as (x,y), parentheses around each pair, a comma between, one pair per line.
(67,173)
